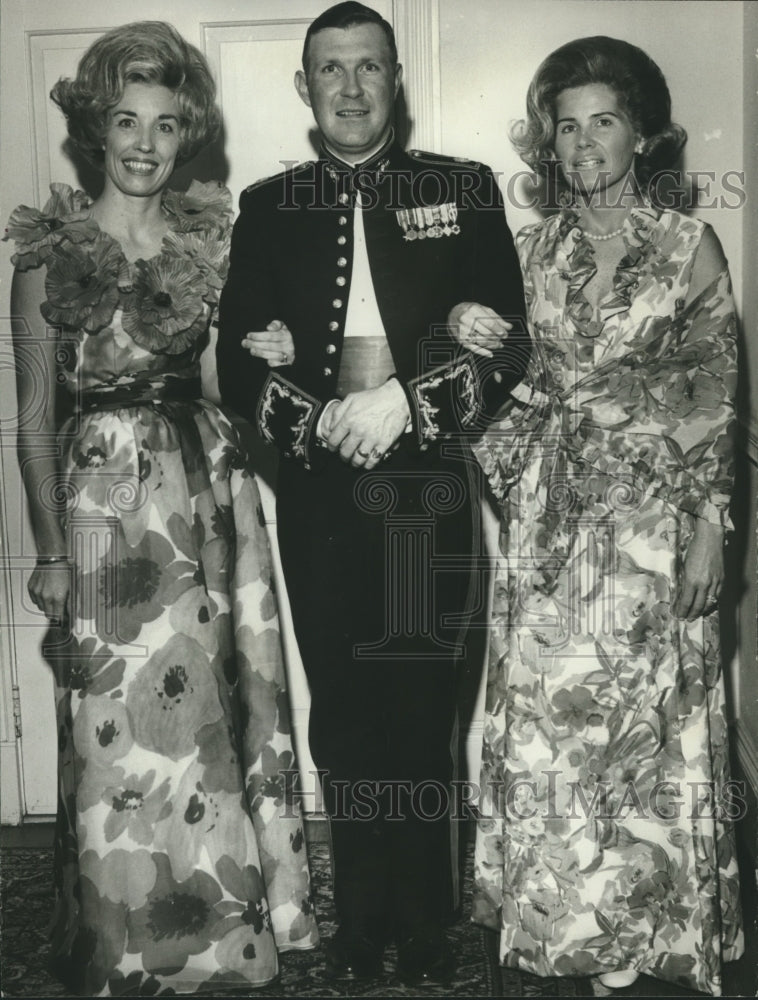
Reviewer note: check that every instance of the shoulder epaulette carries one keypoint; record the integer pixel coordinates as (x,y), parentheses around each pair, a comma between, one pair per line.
(425,157)
(277,177)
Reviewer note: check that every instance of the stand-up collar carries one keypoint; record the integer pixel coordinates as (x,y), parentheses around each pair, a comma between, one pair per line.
(368,169)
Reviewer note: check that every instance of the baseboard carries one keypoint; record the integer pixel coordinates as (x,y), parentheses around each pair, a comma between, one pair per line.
(10,803)
(36,836)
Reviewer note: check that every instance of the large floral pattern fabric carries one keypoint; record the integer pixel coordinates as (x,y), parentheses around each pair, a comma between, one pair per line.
(180,855)
(604,840)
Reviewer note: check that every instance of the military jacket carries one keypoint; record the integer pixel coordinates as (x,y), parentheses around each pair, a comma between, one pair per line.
(436,235)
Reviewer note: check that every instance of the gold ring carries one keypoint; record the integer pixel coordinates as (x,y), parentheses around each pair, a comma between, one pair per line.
(363,454)
(376,453)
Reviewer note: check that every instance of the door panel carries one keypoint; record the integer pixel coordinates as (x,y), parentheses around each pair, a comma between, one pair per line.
(51,56)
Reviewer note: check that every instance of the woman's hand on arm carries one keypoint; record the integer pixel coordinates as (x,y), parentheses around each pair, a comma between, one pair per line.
(274,344)
(477,328)
(35,368)
(702,573)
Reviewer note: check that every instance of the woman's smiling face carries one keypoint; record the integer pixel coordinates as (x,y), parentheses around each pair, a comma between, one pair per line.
(594,139)
(142,139)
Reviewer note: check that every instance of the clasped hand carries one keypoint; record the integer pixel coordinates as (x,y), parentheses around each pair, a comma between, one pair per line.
(366,425)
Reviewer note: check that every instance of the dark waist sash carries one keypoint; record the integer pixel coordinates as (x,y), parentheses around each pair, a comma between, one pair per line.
(140,393)
(366,363)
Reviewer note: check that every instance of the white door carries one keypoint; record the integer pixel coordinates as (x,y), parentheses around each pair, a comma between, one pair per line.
(254,48)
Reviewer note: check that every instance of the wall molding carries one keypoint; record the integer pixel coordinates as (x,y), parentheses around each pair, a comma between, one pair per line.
(41,45)
(417,29)
(11,802)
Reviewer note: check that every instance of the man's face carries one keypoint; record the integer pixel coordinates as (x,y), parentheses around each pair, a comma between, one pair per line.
(351,85)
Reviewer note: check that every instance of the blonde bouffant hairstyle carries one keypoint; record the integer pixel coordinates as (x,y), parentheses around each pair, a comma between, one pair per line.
(141,52)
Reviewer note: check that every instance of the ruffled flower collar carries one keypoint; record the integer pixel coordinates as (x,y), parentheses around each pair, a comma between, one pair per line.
(643,234)
(165,301)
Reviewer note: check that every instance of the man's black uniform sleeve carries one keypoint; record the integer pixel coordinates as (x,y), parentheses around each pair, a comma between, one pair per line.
(268,398)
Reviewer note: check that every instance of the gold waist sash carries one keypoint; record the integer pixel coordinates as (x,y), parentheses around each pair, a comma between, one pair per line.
(366,363)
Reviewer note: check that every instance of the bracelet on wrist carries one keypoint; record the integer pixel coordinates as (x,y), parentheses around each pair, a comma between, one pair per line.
(50,560)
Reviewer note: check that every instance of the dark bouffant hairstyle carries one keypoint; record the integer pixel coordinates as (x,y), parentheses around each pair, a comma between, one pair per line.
(630,72)
(346,15)
(142,52)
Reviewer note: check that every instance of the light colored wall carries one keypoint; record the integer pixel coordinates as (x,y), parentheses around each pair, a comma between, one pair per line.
(490,49)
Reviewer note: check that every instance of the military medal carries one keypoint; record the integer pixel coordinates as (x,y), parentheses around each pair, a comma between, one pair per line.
(432,218)
(404,221)
(432,221)
(449,214)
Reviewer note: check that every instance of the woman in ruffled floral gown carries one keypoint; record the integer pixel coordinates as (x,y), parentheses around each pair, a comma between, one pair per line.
(604,845)
(180,858)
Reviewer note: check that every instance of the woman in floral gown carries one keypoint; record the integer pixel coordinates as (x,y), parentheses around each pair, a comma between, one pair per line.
(604,845)
(180,859)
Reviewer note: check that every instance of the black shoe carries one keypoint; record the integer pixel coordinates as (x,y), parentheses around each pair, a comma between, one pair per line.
(352,956)
(425,959)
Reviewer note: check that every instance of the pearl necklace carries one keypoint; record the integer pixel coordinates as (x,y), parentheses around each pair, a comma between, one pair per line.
(601,236)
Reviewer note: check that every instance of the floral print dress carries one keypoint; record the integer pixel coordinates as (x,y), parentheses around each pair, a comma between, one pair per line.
(180,857)
(604,839)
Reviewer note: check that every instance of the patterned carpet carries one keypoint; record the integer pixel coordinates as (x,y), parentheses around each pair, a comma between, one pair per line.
(27,904)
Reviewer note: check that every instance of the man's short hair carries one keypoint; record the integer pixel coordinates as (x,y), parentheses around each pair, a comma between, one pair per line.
(347,15)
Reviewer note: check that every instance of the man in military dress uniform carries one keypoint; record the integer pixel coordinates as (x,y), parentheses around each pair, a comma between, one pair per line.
(364,255)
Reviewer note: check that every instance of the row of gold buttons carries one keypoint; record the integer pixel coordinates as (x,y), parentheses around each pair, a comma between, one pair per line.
(341,281)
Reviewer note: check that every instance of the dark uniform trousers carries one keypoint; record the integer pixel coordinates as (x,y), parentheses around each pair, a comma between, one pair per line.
(378,564)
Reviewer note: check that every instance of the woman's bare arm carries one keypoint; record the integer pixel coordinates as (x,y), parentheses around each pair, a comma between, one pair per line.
(35,348)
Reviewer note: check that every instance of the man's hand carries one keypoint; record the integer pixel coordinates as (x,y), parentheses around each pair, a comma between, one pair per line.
(367,424)
(274,344)
(327,419)
(477,328)
(703,572)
